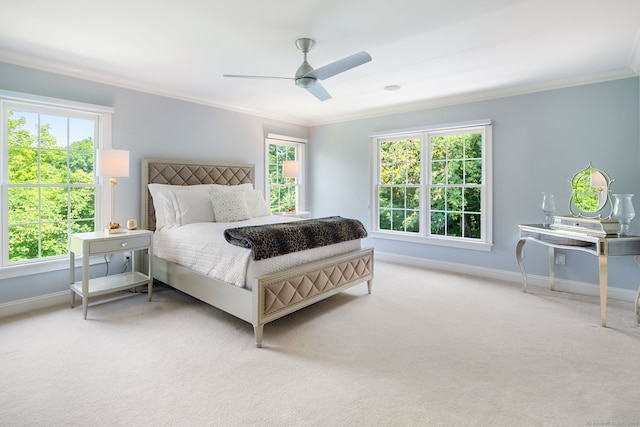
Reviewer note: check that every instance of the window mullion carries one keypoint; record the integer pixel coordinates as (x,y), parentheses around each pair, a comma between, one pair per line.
(426,185)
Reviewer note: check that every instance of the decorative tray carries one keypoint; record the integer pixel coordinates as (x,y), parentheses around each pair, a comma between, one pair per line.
(590,226)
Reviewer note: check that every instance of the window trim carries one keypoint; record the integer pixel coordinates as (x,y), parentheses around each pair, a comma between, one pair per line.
(103,201)
(424,132)
(300,145)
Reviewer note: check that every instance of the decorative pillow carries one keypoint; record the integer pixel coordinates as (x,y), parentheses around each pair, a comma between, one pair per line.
(163,201)
(256,204)
(192,206)
(229,206)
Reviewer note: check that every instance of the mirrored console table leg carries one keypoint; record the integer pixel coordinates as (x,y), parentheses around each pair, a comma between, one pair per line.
(519,247)
(638,306)
(552,268)
(602,267)
(520,259)
(637,258)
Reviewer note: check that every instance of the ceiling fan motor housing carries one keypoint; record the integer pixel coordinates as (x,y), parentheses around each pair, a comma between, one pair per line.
(302,71)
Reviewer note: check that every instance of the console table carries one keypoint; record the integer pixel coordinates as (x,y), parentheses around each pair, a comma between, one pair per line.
(602,247)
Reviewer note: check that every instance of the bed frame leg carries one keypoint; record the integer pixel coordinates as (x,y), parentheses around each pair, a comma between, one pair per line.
(257,330)
(369,285)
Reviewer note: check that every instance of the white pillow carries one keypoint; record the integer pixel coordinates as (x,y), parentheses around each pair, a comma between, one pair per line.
(256,204)
(229,206)
(163,202)
(192,206)
(165,210)
(239,187)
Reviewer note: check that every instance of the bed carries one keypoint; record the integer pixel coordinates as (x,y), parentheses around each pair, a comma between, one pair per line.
(269,291)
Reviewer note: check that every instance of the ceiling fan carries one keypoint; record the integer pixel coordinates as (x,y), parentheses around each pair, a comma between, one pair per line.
(307,78)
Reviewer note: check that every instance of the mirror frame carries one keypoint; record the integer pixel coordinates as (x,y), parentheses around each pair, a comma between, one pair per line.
(575,210)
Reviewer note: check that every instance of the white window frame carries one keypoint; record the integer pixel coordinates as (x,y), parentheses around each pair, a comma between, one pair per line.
(102,140)
(299,145)
(485,243)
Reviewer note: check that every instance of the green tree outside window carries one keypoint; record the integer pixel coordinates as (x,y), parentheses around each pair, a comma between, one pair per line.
(50,177)
(452,184)
(283,192)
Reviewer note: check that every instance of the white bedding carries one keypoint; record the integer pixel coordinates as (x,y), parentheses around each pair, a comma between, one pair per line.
(203,248)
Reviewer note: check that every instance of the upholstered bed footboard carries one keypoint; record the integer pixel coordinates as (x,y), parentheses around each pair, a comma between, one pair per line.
(281,293)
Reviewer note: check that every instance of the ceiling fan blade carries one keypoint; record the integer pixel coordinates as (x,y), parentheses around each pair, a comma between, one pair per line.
(318,91)
(340,66)
(242,76)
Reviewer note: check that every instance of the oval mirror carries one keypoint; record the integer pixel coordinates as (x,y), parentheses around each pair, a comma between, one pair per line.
(589,192)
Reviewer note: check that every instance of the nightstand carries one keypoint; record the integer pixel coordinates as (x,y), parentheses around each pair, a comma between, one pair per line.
(297,214)
(100,243)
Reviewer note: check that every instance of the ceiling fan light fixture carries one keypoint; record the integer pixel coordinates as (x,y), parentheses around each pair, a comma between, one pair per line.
(305,82)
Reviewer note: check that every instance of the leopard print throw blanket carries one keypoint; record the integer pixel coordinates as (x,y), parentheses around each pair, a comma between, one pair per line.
(269,240)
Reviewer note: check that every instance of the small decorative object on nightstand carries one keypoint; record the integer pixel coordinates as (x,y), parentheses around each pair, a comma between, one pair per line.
(99,243)
(296,214)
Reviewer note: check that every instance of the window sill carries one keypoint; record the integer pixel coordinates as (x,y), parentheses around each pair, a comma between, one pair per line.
(41,267)
(436,241)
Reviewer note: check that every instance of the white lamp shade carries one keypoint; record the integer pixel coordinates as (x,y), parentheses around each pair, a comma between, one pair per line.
(112,163)
(291,169)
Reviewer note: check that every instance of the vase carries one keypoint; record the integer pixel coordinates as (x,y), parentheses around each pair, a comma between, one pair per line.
(623,212)
(548,207)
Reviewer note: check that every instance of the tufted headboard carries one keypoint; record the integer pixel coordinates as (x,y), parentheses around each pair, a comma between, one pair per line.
(187,172)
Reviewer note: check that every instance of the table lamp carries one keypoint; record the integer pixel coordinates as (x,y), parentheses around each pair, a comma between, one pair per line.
(112,164)
(291,170)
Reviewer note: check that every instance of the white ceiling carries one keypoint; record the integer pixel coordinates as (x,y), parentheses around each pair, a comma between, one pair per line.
(439,51)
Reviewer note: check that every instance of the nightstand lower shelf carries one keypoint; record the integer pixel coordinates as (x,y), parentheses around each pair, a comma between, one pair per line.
(108,284)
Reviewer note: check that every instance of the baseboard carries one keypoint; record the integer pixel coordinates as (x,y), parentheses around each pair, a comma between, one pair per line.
(35,303)
(579,288)
(62,299)
(59,298)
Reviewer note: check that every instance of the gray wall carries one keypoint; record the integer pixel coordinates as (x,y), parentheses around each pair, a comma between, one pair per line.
(540,141)
(148,126)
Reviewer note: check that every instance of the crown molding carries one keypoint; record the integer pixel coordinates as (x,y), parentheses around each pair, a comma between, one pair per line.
(486,95)
(40,64)
(23,60)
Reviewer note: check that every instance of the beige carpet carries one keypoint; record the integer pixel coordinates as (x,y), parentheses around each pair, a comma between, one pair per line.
(426,348)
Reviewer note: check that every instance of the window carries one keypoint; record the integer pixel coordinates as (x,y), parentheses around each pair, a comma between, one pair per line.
(50,188)
(433,185)
(285,194)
